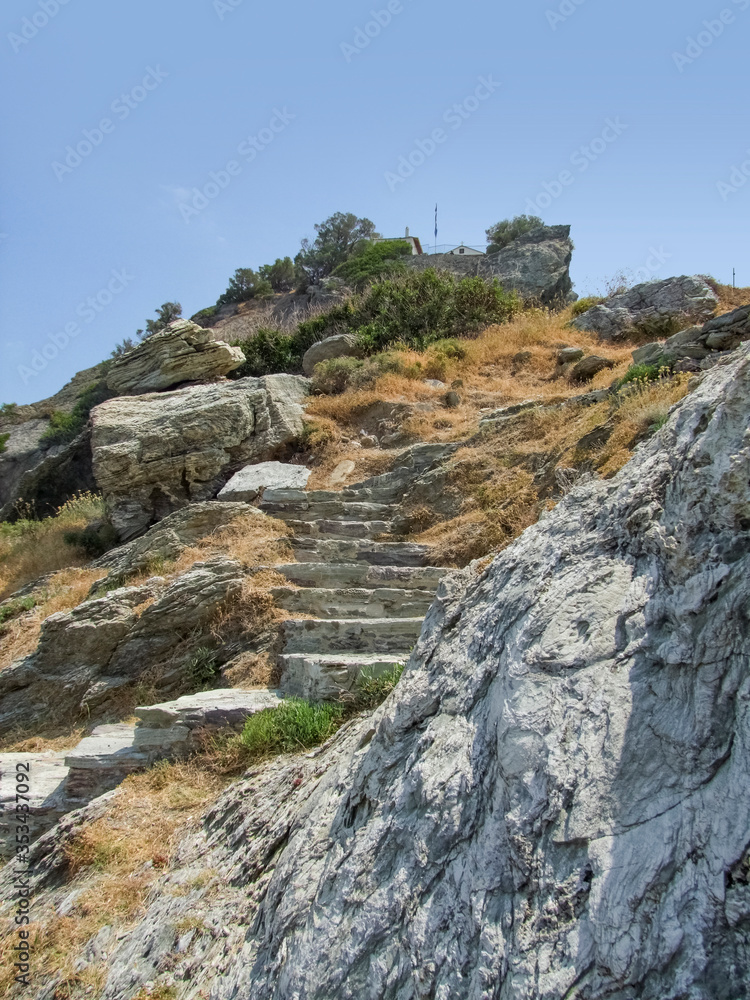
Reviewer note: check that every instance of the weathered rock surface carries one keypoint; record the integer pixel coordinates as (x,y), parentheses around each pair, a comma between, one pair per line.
(182,353)
(85,657)
(39,475)
(167,539)
(154,454)
(588,367)
(554,801)
(45,775)
(653,307)
(536,265)
(702,344)
(343,345)
(249,483)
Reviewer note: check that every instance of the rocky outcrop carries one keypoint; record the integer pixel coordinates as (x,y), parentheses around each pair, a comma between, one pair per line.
(43,477)
(536,265)
(588,367)
(699,347)
(167,539)
(154,454)
(553,803)
(88,657)
(182,353)
(249,483)
(343,345)
(654,307)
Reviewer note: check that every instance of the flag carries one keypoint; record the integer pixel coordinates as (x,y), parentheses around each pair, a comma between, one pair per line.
(436,226)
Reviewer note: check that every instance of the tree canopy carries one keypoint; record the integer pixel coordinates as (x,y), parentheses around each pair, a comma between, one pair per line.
(337,238)
(503,233)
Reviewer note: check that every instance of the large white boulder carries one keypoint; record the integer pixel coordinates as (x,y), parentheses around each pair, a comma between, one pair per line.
(249,483)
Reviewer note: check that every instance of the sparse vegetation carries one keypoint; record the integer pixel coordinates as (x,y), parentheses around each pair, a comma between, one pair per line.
(645,373)
(65,427)
(3,442)
(373,261)
(588,302)
(503,233)
(293,726)
(202,669)
(337,238)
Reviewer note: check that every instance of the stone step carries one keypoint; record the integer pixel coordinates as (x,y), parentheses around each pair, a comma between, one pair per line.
(383,602)
(337,575)
(339,528)
(384,636)
(307,511)
(102,761)
(38,779)
(397,554)
(326,677)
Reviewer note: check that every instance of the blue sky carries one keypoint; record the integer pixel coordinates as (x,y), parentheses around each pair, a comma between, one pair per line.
(315,105)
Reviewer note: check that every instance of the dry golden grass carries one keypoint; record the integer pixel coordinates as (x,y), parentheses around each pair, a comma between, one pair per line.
(730,298)
(113,863)
(54,739)
(31,549)
(63,591)
(253,541)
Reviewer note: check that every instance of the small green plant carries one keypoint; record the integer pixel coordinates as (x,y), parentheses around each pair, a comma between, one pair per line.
(588,302)
(15,608)
(65,427)
(3,442)
(293,726)
(643,374)
(375,686)
(338,375)
(201,669)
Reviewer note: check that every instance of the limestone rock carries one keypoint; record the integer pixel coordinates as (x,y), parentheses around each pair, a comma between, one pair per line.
(343,345)
(654,306)
(554,800)
(182,353)
(90,653)
(154,454)
(536,265)
(569,354)
(699,343)
(32,472)
(249,483)
(46,774)
(167,539)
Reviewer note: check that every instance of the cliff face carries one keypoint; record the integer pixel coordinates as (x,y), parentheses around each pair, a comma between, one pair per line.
(553,803)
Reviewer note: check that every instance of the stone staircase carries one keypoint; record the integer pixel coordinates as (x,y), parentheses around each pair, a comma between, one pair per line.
(361,601)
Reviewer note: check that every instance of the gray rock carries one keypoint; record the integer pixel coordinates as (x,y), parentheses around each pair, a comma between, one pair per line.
(696,343)
(452,400)
(155,454)
(554,800)
(569,354)
(101,762)
(654,307)
(46,774)
(536,265)
(588,367)
(182,353)
(42,476)
(434,383)
(249,483)
(343,345)
(167,539)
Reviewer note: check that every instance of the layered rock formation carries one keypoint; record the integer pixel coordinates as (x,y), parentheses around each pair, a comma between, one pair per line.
(182,353)
(154,454)
(554,801)
(655,307)
(536,265)
(699,346)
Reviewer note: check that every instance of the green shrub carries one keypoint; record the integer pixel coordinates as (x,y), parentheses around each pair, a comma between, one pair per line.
(503,233)
(245,284)
(201,669)
(644,373)
(64,427)
(3,442)
(94,540)
(293,726)
(583,305)
(8,409)
(203,314)
(372,262)
(280,275)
